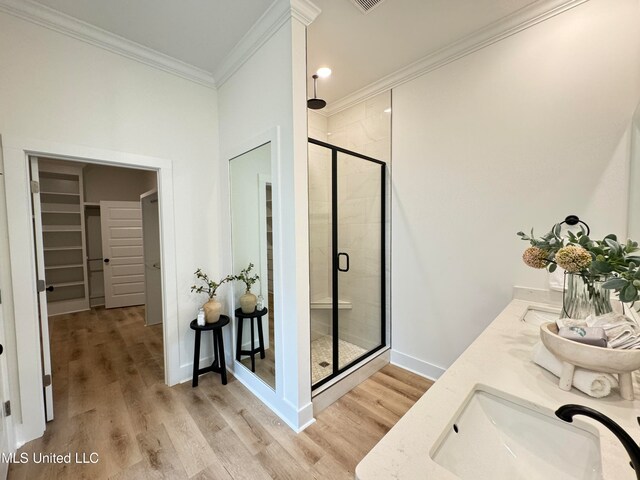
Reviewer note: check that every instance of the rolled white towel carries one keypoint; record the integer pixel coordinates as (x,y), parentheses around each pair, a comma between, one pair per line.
(594,384)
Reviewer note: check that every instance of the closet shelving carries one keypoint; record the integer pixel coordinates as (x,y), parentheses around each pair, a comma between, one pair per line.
(61,203)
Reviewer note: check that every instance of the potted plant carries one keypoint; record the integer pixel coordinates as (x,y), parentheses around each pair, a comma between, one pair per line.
(212,307)
(248,301)
(592,267)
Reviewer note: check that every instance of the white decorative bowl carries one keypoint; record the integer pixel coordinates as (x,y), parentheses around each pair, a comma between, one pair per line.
(599,359)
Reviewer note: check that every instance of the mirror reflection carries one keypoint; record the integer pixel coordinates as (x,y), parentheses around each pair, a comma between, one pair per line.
(252,245)
(634,192)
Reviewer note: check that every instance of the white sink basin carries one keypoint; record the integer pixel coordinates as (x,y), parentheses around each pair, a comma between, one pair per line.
(499,439)
(537,317)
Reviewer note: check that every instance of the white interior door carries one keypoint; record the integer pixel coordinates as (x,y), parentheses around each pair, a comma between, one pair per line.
(122,251)
(45,350)
(151,249)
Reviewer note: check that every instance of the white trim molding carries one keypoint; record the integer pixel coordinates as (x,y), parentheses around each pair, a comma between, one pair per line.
(265,27)
(54,20)
(499,30)
(304,11)
(417,366)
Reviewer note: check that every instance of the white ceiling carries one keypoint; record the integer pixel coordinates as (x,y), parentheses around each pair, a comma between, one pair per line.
(197,32)
(362,48)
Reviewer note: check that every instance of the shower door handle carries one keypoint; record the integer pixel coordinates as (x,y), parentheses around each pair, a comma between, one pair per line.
(346,255)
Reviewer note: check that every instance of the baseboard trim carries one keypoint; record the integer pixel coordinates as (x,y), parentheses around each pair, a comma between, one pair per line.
(415,365)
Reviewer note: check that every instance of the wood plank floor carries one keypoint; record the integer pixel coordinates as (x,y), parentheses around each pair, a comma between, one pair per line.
(110,398)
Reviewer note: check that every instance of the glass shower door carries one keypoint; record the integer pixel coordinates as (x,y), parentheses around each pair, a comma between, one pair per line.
(320,265)
(347,258)
(359,257)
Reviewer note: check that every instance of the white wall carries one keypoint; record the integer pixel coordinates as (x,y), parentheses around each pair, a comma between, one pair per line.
(634,179)
(516,135)
(266,98)
(112,183)
(58,89)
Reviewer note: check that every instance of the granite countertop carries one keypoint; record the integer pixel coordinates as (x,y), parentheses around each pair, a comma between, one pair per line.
(500,358)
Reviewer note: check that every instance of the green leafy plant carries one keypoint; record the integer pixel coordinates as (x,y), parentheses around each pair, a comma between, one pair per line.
(246,277)
(210,287)
(579,254)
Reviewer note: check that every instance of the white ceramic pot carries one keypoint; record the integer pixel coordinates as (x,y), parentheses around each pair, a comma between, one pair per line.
(212,310)
(248,302)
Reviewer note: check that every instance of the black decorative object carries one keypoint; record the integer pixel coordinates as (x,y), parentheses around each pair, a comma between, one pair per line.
(567,412)
(218,365)
(572,220)
(257,316)
(316,103)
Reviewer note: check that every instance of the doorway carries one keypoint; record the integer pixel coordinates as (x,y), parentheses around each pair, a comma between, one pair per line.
(92,280)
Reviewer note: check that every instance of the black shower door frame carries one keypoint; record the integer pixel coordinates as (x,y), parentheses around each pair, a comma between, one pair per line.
(335,260)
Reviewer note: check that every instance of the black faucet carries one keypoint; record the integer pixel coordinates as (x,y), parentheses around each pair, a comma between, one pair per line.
(567,412)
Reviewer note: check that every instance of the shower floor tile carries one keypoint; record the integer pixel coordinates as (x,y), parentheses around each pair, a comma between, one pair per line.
(322,356)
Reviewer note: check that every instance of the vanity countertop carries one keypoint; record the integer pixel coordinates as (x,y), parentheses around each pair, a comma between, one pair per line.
(500,358)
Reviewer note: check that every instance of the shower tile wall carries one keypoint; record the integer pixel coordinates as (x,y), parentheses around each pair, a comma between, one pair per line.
(363,128)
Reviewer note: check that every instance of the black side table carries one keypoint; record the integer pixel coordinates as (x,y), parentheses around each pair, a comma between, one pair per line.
(218,365)
(255,315)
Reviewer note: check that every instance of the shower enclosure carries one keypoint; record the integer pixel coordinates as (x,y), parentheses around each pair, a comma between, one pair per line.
(347,259)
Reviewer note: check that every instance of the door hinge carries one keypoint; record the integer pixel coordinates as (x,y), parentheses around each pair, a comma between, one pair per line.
(35,187)
(47,380)
(41,286)
(7,408)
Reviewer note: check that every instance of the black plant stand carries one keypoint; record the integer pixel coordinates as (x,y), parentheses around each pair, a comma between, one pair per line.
(218,365)
(255,315)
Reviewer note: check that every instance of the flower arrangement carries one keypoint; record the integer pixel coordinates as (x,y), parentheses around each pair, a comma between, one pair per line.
(210,287)
(245,277)
(579,254)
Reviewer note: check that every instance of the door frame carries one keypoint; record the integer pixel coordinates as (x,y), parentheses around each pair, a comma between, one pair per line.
(143,198)
(16,152)
(45,346)
(5,382)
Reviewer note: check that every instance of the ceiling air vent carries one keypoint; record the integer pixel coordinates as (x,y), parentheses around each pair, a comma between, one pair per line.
(366,6)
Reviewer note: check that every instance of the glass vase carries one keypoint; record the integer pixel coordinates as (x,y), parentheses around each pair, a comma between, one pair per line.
(584,296)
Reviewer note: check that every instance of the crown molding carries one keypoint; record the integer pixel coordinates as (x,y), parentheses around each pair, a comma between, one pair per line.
(305,11)
(68,25)
(494,32)
(265,27)
(261,31)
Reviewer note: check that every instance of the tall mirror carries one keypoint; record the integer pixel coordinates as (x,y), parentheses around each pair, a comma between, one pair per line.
(634,191)
(252,244)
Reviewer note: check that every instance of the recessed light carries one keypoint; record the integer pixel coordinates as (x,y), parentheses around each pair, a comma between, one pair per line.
(387,110)
(323,72)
